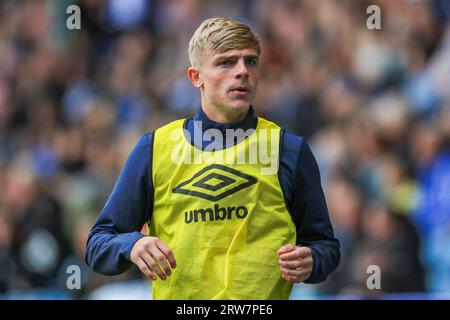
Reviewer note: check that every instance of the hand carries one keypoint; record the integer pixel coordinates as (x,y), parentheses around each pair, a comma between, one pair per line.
(296,263)
(150,254)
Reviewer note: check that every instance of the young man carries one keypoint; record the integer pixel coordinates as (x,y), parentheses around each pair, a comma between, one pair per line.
(228,218)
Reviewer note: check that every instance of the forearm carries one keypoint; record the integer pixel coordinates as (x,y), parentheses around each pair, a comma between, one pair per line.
(109,254)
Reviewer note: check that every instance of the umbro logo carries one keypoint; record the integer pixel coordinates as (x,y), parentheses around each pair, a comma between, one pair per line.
(215,182)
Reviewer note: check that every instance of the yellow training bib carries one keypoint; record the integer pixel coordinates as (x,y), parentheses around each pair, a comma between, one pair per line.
(223,215)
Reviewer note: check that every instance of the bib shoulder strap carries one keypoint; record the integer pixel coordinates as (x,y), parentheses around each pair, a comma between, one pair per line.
(166,129)
(266,124)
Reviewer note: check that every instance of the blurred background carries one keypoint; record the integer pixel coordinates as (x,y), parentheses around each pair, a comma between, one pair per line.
(373,104)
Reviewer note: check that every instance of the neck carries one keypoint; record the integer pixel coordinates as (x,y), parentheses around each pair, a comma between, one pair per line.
(225,117)
(204,123)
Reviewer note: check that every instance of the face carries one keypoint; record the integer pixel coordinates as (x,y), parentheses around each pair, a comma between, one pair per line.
(228,81)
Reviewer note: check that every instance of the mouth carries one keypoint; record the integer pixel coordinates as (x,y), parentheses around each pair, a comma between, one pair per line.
(240,89)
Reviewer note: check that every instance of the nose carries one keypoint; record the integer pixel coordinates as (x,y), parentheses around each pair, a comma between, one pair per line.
(241,69)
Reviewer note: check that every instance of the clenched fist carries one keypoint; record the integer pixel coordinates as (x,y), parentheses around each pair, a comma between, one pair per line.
(296,263)
(152,256)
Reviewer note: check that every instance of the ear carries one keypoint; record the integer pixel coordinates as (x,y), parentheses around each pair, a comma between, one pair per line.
(194,76)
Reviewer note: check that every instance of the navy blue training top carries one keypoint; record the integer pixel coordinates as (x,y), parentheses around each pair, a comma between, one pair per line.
(130,204)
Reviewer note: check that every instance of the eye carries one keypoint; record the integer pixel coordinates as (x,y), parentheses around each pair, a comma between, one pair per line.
(251,61)
(225,63)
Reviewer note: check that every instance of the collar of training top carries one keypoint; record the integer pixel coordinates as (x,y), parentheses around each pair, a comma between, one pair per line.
(249,122)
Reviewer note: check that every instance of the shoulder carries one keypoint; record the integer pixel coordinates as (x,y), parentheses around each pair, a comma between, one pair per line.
(297,154)
(145,139)
(267,124)
(297,147)
(290,152)
(292,143)
(175,124)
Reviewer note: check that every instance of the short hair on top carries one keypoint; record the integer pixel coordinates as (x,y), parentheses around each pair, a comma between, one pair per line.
(221,35)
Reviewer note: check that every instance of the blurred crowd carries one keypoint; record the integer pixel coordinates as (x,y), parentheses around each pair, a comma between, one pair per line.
(373,104)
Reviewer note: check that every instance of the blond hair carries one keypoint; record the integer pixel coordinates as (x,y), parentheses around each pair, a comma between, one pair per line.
(221,35)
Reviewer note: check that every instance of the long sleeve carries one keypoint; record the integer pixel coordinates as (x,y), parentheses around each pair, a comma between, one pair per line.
(127,209)
(300,179)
